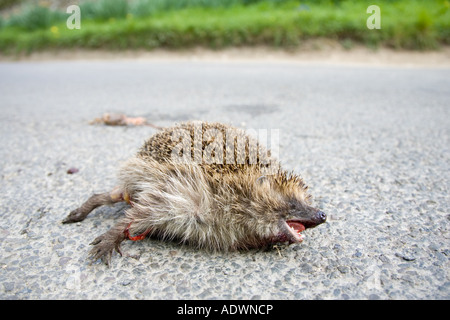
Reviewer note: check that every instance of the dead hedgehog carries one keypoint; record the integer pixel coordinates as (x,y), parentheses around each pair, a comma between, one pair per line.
(205,184)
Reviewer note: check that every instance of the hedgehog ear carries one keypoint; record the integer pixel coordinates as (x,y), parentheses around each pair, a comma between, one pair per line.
(261,179)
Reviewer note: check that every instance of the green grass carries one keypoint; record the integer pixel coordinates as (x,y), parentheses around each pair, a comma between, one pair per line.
(409,24)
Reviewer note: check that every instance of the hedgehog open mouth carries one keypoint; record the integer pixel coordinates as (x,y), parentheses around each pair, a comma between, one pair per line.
(295,228)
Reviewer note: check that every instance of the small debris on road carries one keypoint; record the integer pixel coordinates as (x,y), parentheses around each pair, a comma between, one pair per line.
(119,119)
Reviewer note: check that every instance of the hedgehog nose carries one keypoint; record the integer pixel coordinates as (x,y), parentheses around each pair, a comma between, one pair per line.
(321,216)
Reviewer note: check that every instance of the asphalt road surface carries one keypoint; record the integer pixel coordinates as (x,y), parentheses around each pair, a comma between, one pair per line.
(371,142)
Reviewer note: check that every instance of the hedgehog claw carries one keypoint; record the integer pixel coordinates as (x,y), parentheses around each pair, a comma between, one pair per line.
(75,216)
(103,249)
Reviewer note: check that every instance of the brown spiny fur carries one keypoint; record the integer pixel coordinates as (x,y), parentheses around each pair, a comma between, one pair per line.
(210,205)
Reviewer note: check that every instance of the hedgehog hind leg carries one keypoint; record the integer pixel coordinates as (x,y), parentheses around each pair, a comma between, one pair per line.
(96,200)
(109,242)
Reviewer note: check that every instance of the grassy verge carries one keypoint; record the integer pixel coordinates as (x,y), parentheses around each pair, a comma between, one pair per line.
(409,24)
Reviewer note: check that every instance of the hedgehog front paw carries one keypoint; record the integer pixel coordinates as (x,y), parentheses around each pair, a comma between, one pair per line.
(103,248)
(76,215)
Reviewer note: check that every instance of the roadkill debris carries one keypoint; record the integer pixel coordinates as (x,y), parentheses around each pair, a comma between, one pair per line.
(72,170)
(120,119)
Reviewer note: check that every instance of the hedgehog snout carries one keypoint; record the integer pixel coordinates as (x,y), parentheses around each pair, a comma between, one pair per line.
(321,216)
(308,216)
(315,218)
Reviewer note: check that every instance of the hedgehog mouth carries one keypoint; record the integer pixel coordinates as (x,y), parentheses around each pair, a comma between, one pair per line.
(294,229)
